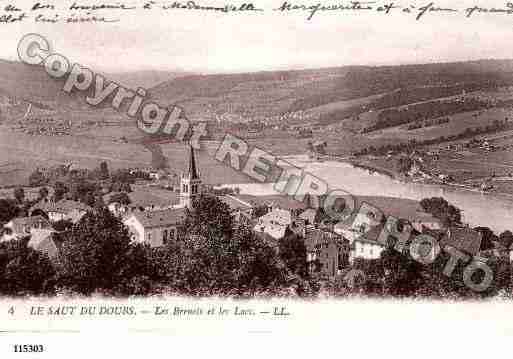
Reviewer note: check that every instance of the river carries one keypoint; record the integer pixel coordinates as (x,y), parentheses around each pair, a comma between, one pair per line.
(477,209)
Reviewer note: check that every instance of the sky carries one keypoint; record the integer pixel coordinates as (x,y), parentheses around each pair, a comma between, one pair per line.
(209,42)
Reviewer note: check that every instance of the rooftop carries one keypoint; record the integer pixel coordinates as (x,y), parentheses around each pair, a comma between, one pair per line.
(166,217)
(464,239)
(284,202)
(18,224)
(63,206)
(235,203)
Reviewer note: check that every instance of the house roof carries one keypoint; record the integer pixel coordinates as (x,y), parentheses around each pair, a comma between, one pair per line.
(277,216)
(370,235)
(285,202)
(235,203)
(274,223)
(309,215)
(464,239)
(273,230)
(166,217)
(313,215)
(63,206)
(18,224)
(397,207)
(316,236)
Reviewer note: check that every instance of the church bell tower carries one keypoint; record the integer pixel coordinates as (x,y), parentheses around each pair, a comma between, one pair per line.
(190,183)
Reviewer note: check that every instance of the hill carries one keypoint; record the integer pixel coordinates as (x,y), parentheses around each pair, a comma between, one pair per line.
(330,91)
(31,84)
(145,78)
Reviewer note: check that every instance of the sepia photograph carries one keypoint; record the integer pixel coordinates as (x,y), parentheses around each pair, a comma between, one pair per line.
(261,167)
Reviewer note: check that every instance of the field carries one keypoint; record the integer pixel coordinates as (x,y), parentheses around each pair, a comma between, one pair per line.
(22,154)
(336,102)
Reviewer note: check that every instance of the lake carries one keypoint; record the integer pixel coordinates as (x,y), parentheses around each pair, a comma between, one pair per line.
(477,209)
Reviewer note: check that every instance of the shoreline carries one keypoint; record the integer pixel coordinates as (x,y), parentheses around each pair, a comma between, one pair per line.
(371,169)
(405,180)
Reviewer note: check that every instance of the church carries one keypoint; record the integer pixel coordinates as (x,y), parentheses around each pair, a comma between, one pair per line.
(158,227)
(190,183)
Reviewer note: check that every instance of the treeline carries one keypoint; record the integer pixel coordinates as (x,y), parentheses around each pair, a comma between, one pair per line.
(398,275)
(424,111)
(415,83)
(65,173)
(400,97)
(84,185)
(421,124)
(413,144)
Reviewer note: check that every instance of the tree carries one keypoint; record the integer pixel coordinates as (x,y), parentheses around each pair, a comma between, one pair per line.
(261,210)
(209,217)
(443,210)
(37,179)
(96,254)
(293,252)
(506,239)
(8,210)
(241,264)
(19,194)
(104,170)
(404,164)
(487,237)
(59,191)
(402,275)
(121,187)
(88,198)
(121,198)
(24,271)
(63,225)
(43,193)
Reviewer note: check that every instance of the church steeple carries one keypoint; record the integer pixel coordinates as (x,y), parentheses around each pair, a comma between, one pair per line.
(193,173)
(190,186)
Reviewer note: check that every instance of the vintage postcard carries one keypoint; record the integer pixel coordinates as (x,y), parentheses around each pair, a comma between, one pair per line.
(192,176)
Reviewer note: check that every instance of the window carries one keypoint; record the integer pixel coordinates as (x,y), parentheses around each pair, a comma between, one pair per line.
(164,236)
(149,236)
(172,234)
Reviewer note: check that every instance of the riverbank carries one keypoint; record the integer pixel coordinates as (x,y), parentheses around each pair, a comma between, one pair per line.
(375,169)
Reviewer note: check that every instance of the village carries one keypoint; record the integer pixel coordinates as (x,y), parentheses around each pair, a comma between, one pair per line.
(155,204)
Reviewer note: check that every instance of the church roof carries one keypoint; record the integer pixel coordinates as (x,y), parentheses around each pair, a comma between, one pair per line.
(193,172)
